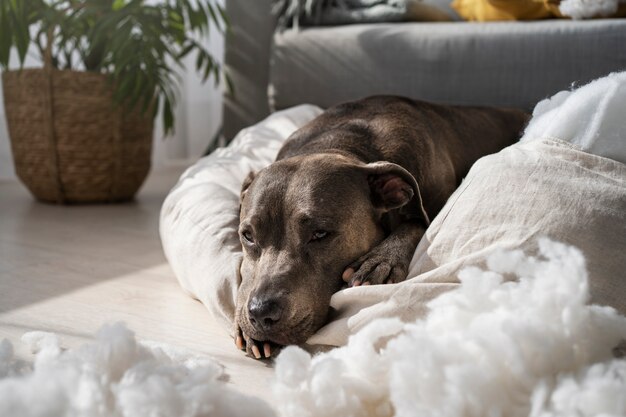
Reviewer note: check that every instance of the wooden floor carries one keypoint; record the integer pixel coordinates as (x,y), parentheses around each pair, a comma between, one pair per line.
(70,269)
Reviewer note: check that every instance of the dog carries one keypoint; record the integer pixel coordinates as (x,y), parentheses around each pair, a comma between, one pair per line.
(347,200)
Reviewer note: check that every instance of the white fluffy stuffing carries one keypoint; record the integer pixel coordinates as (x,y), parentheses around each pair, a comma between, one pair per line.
(586,9)
(494,347)
(115,376)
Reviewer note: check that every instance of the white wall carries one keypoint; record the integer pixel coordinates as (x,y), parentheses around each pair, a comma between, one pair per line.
(198,118)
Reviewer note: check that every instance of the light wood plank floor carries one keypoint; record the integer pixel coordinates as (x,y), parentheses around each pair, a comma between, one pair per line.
(70,269)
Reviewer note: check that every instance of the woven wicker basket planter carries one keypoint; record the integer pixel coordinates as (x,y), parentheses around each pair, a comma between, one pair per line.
(69,143)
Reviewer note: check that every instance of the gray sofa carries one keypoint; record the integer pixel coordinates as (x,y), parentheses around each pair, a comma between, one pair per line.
(511,64)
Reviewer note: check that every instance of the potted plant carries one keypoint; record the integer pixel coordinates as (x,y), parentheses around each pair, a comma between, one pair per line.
(81,125)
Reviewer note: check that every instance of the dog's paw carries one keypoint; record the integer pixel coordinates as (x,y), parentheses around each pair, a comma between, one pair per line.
(254,348)
(376,267)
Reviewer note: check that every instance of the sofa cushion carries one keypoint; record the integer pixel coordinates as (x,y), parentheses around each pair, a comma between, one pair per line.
(512,64)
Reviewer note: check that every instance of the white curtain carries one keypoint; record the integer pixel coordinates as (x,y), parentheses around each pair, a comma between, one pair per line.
(198,118)
(6,163)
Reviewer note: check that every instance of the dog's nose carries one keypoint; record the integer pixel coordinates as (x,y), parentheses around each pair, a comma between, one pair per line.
(264,312)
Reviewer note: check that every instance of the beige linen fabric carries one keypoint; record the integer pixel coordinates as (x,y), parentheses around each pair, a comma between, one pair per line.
(541,188)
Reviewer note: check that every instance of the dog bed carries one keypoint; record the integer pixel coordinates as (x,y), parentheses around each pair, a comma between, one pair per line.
(565,180)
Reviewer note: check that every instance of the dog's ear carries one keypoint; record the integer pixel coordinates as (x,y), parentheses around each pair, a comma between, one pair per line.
(246,184)
(393,187)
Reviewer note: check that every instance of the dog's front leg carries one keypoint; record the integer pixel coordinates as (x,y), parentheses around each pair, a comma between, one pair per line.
(388,262)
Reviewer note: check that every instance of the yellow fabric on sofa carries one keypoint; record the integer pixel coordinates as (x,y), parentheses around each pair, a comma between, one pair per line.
(490,10)
(493,10)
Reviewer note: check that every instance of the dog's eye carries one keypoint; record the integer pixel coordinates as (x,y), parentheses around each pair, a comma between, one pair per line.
(319,234)
(248,236)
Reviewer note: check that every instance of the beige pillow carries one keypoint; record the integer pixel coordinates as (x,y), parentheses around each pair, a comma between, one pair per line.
(541,188)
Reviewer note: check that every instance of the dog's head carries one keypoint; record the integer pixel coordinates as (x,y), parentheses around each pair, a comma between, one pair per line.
(303,220)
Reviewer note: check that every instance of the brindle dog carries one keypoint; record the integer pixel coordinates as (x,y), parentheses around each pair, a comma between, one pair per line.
(347,200)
